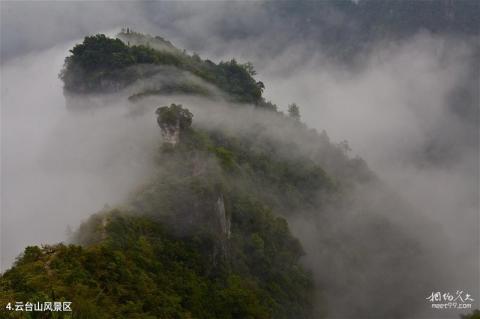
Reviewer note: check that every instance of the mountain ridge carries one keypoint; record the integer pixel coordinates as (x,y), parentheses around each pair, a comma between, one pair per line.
(209,234)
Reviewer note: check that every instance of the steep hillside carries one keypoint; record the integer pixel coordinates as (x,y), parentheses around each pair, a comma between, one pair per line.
(209,234)
(188,246)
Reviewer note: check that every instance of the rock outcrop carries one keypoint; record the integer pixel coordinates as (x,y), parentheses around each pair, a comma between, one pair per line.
(173,120)
(223,219)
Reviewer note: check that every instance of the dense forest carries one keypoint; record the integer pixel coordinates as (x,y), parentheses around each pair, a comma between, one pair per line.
(101,64)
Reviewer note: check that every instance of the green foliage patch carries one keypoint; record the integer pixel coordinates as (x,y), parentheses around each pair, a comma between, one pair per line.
(102,64)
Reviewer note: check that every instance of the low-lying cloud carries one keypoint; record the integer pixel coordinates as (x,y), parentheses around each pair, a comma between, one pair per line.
(409,107)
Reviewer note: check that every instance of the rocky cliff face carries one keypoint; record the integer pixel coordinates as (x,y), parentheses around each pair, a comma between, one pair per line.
(173,120)
(224,220)
(170,133)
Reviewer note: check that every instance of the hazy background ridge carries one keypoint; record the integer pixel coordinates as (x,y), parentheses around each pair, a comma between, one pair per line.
(398,80)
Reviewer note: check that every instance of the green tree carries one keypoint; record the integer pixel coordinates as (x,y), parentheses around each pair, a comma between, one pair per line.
(173,115)
(294,111)
(249,68)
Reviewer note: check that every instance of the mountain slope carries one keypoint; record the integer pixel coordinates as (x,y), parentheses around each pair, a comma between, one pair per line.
(208,236)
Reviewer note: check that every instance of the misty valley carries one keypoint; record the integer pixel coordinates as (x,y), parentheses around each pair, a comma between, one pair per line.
(144,180)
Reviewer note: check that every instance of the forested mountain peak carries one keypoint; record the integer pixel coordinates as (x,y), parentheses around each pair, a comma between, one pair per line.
(102,64)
